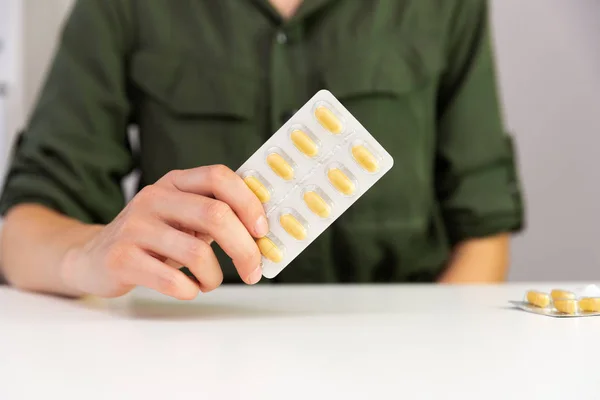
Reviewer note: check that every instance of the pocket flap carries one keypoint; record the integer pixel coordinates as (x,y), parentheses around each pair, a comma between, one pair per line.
(393,71)
(192,87)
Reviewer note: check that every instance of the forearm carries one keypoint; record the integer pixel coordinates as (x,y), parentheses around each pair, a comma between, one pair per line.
(35,240)
(483,260)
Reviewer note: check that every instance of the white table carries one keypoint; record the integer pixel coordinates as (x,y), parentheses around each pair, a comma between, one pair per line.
(297,342)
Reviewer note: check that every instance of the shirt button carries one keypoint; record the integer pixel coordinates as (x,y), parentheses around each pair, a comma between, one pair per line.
(286,115)
(281,38)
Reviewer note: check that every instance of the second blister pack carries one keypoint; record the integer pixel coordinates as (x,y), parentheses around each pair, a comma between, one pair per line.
(562,303)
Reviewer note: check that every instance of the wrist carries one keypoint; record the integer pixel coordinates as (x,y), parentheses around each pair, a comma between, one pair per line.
(68,271)
(73,265)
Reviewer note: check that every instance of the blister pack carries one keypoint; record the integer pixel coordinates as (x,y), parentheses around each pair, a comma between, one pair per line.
(562,303)
(308,173)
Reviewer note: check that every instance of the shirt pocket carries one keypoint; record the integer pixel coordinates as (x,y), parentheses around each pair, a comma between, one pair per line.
(191,112)
(392,92)
(393,70)
(187,86)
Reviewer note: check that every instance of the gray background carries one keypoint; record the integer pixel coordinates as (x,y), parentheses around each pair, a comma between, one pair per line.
(548,55)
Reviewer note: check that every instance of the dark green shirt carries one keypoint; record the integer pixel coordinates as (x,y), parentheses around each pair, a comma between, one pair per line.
(207,82)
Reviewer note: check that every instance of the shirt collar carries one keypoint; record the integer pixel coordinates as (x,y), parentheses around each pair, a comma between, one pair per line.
(306,8)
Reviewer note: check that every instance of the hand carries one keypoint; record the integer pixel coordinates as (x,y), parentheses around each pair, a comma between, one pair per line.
(169,224)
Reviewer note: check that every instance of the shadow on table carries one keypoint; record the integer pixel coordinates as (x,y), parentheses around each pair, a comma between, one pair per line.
(257,303)
(279,303)
(155,310)
(56,309)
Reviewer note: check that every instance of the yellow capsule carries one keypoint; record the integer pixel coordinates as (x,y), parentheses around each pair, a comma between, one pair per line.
(269,249)
(365,159)
(558,294)
(327,118)
(340,181)
(304,143)
(293,226)
(280,166)
(258,189)
(317,204)
(566,306)
(590,304)
(538,299)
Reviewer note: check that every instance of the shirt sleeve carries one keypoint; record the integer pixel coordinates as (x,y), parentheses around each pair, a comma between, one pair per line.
(477,183)
(74,152)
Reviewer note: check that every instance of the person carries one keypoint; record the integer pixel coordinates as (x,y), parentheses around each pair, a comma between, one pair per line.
(206,83)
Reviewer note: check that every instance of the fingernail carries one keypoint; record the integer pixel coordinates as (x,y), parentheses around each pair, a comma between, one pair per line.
(262,226)
(255,276)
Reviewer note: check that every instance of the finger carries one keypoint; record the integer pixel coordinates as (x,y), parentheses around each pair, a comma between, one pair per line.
(217,219)
(182,249)
(200,235)
(222,183)
(145,270)
(173,263)
(204,237)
